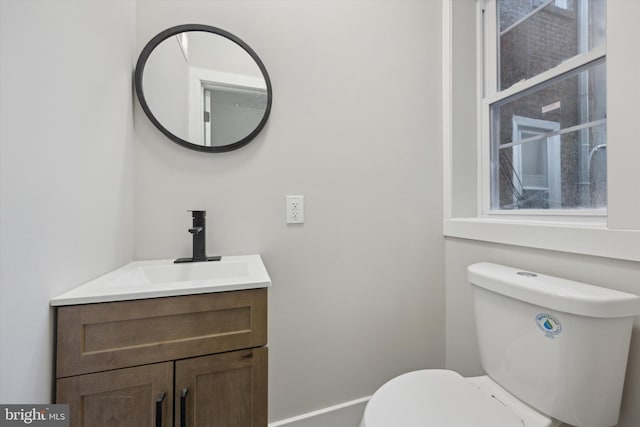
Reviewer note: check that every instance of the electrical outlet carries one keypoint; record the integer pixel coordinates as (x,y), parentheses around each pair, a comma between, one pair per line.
(295,209)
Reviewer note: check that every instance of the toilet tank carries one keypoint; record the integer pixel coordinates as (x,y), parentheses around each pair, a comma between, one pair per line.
(560,346)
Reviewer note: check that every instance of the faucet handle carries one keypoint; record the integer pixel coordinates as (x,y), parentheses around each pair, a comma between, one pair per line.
(200,214)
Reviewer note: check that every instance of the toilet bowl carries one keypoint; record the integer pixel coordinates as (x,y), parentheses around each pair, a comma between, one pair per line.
(543,342)
(443,398)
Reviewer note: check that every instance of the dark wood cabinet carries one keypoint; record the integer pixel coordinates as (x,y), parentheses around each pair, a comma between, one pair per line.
(119,398)
(227,389)
(197,361)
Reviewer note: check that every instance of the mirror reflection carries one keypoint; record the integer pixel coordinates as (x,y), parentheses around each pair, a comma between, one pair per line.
(204,88)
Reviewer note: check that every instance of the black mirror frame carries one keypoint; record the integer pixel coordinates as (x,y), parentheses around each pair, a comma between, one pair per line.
(144,56)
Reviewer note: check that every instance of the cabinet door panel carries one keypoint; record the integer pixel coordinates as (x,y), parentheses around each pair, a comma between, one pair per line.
(119,398)
(225,390)
(113,335)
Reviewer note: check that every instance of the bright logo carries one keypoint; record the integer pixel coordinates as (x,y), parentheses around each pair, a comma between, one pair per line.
(548,324)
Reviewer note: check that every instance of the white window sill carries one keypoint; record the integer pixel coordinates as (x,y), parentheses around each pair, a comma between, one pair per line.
(580,238)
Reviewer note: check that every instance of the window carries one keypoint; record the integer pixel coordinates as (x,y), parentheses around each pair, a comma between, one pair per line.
(535,143)
(544,106)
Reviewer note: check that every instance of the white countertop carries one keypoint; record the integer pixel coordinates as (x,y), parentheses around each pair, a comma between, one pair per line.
(163,278)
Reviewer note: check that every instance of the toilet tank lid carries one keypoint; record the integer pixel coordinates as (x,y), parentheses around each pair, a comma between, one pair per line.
(553,292)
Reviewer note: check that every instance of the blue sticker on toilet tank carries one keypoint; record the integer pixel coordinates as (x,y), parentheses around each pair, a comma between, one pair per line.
(548,324)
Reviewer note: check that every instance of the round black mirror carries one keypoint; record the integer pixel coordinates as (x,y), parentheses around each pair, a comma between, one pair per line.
(203,87)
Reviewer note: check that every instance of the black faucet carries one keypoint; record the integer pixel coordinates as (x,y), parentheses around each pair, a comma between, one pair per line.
(199,239)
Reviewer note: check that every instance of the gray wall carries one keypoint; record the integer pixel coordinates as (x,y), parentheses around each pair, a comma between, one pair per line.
(66,183)
(358,293)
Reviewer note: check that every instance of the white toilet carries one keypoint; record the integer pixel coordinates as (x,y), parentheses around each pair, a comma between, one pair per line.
(554,351)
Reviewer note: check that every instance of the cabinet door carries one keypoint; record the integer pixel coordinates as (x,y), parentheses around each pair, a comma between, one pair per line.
(222,390)
(128,397)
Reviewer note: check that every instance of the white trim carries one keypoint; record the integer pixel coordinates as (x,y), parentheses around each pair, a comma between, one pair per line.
(447,107)
(554,177)
(486,63)
(484,160)
(206,128)
(204,76)
(623,132)
(571,64)
(488,34)
(558,132)
(346,412)
(585,239)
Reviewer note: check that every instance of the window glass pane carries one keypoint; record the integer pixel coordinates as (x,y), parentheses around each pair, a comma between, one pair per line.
(534,39)
(548,144)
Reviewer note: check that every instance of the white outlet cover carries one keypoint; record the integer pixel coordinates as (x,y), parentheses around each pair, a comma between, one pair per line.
(295,209)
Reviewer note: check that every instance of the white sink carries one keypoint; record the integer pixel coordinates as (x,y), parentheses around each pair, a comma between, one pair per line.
(162,278)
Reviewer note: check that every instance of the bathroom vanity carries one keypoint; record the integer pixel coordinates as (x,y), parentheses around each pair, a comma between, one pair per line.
(198,358)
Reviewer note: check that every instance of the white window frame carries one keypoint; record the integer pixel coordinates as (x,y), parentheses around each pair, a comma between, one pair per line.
(490,95)
(615,236)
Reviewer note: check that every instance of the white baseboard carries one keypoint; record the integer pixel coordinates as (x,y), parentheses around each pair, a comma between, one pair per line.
(347,414)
